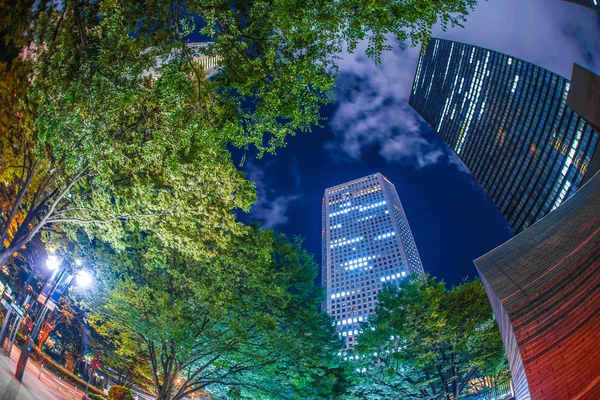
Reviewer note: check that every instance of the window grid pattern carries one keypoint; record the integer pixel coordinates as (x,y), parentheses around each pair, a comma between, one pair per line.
(367,243)
(508,121)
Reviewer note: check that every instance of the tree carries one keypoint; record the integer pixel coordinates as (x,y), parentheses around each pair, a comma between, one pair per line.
(127,363)
(117,392)
(427,342)
(89,139)
(245,322)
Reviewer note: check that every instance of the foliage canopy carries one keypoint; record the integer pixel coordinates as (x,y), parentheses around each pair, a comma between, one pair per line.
(244,322)
(91,138)
(427,342)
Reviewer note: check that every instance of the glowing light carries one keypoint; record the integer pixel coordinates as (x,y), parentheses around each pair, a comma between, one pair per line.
(84,278)
(52,262)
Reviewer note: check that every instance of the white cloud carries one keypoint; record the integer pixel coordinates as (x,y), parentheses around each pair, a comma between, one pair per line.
(457,162)
(373,111)
(272,209)
(550,33)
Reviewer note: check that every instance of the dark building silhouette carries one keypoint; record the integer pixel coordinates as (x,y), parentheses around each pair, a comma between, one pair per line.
(544,287)
(584,99)
(507,120)
(593,4)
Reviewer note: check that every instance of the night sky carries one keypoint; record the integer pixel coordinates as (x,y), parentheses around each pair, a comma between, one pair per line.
(370,128)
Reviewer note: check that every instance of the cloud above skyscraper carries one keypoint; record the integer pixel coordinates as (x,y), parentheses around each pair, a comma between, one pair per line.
(553,34)
(373,112)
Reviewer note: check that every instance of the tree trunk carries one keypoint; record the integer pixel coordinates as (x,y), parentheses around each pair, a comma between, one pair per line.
(454,375)
(165,391)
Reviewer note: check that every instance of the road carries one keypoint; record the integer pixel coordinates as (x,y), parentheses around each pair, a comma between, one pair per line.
(46,387)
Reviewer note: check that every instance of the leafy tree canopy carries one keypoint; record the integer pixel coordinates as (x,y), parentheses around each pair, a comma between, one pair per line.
(427,342)
(243,323)
(95,132)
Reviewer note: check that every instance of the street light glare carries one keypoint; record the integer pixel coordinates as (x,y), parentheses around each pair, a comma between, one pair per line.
(84,278)
(52,262)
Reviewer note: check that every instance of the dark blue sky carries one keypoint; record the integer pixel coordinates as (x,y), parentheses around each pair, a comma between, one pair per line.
(370,128)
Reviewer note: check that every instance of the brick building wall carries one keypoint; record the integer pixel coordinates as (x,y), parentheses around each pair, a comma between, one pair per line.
(544,286)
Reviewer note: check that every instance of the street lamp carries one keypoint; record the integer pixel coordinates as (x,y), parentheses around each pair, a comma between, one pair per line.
(84,278)
(51,293)
(55,288)
(52,262)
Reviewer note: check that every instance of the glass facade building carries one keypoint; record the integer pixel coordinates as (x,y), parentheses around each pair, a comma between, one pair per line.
(209,64)
(367,243)
(507,120)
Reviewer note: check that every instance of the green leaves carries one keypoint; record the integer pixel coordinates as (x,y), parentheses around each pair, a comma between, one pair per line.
(425,341)
(236,319)
(109,116)
(114,139)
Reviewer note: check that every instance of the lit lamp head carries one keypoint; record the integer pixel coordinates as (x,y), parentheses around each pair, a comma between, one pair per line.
(84,278)
(52,262)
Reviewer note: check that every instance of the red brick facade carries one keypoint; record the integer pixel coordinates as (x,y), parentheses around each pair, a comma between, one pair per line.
(544,286)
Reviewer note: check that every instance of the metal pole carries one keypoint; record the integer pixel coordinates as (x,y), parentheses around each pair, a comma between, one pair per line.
(29,279)
(5,325)
(13,332)
(88,384)
(38,322)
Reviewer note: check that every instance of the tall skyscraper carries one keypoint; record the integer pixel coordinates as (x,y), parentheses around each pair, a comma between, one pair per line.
(367,242)
(507,121)
(209,64)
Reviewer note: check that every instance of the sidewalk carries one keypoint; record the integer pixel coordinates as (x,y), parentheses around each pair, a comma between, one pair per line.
(48,387)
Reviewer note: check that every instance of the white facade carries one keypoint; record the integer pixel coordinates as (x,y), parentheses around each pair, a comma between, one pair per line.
(367,243)
(209,64)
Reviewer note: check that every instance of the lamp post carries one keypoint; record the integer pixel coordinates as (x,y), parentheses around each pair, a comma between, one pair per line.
(82,277)
(50,297)
(52,263)
(14,308)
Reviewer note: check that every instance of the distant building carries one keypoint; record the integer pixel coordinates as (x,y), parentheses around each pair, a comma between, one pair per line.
(507,120)
(367,242)
(593,4)
(208,64)
(544,287)
(584,99)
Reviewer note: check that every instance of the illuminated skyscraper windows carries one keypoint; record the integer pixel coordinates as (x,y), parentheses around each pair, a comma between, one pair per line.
(367,243)
(508,122)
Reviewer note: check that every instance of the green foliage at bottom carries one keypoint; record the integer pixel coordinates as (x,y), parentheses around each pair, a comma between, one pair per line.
(427,342)
(242,324)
